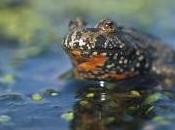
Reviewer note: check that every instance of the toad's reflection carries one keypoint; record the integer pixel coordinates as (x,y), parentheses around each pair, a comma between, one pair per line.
(104,106)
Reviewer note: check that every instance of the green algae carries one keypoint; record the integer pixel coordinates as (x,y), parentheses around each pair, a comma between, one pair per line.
(68,116)
(4,119)
(7,78)
(37,97)
(154,97)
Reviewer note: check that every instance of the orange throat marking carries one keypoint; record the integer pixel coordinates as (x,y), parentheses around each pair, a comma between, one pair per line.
(92,63)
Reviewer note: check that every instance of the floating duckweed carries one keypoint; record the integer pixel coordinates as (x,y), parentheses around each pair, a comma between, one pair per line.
(90,95)
(83,102)
(153,98)
(131,108)
(68,116)
(110,120)
(37,97)
(7,78)
(135,93)
(4,119)
(161,120)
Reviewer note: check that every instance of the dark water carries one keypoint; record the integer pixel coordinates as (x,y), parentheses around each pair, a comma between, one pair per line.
(33,75)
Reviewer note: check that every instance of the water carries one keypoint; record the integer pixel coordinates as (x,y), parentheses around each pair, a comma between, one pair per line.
(32,97)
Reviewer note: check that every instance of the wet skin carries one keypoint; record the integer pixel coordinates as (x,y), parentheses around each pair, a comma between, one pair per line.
(111,52)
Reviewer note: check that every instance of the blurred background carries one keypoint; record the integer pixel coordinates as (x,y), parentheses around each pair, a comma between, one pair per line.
(31,58)
(39,23)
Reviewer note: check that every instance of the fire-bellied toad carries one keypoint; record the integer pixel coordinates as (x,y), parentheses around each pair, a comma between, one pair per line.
(111,52)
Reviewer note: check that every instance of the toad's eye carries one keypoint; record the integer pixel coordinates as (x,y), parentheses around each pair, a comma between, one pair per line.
(109,24)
